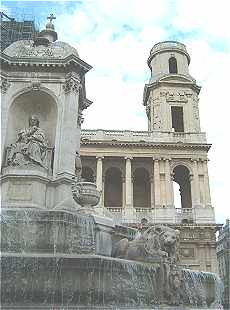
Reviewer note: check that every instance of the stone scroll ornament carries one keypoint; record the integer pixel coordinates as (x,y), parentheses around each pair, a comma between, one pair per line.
(30,147)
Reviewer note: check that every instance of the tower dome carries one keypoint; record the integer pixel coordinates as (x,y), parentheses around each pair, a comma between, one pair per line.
(168,57)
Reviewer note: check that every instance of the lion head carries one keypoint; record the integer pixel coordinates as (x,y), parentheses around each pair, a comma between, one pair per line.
(169,239)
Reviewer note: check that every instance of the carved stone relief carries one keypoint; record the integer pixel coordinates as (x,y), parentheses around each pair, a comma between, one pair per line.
(5,84)
(156,117)
(71,85)
(195,101)
(175,96)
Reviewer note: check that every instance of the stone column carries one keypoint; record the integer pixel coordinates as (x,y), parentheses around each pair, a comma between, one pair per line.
(102,200)
(157,182)
(128,183)
(206,184)
(195,192)
(99,180)
(123,192)
(169,184)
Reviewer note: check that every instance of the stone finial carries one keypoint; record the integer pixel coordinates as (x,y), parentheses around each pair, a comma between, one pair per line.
(51,17)
(48,35)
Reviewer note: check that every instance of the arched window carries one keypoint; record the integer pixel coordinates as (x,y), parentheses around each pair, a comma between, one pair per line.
(181,177)
(87,174)
(141,189)
(113,188)
(172,65)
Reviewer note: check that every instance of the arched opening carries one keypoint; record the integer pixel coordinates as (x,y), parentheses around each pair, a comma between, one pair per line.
(113,188)
(141,189)
(30,103)
(25,105)
(172,65)
(182,188)
(87,174)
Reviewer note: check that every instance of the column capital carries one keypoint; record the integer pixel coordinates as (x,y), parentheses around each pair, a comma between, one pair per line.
(99,157)
(156,158)
(168,159)
(128,157)
(151,179)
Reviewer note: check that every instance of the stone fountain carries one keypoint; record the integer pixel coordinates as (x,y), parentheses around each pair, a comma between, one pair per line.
(60,259)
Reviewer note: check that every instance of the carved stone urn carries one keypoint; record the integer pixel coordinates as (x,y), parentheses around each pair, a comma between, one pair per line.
(86,194)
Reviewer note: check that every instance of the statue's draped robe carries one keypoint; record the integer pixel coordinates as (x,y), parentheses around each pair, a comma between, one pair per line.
(30,148)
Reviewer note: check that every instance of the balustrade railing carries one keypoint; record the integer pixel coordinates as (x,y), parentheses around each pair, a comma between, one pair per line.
(185,215)
(152,215)
(148,136)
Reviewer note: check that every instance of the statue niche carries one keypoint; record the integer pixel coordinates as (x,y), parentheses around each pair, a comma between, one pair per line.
(30,147)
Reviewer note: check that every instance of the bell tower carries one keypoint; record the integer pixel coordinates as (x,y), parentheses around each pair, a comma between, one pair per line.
(171,97)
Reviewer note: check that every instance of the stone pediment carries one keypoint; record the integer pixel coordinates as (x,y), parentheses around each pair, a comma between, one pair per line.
(175,78)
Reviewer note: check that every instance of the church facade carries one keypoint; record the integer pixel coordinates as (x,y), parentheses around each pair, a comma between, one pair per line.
(135,170)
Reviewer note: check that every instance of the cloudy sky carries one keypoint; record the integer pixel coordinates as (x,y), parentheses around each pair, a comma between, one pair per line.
(115,37)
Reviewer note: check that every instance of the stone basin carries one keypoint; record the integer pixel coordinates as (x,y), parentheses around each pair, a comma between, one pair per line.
(86,194)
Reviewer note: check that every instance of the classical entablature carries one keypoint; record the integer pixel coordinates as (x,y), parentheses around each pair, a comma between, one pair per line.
(142,144)
(41,62)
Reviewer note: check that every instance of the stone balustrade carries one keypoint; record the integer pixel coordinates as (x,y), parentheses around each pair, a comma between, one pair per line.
(161,215)
(143,136)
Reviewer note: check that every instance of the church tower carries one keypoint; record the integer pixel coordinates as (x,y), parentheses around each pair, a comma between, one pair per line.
(171,100)
(171,97)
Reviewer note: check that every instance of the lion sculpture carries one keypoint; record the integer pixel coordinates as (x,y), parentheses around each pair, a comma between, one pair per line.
(157,241)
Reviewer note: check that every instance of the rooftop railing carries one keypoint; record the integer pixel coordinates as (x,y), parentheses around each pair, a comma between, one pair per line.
(143,136)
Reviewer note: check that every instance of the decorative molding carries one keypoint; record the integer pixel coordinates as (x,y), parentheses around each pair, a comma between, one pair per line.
(100,157)
(128,157)
(5,84)
(35,85)
(71,85)
(80,119)
(175,96)
(187,252)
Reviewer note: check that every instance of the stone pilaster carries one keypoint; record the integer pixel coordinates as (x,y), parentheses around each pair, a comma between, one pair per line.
(193,190)
(206,184)
(68,144)
(128,183)
(195,183)
(168,184)
(152,192)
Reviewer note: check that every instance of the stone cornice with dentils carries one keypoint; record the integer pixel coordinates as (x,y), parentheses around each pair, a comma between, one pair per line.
(153,145)
(30,61)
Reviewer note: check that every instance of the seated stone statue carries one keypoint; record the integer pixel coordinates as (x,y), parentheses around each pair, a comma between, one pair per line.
(30,147)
